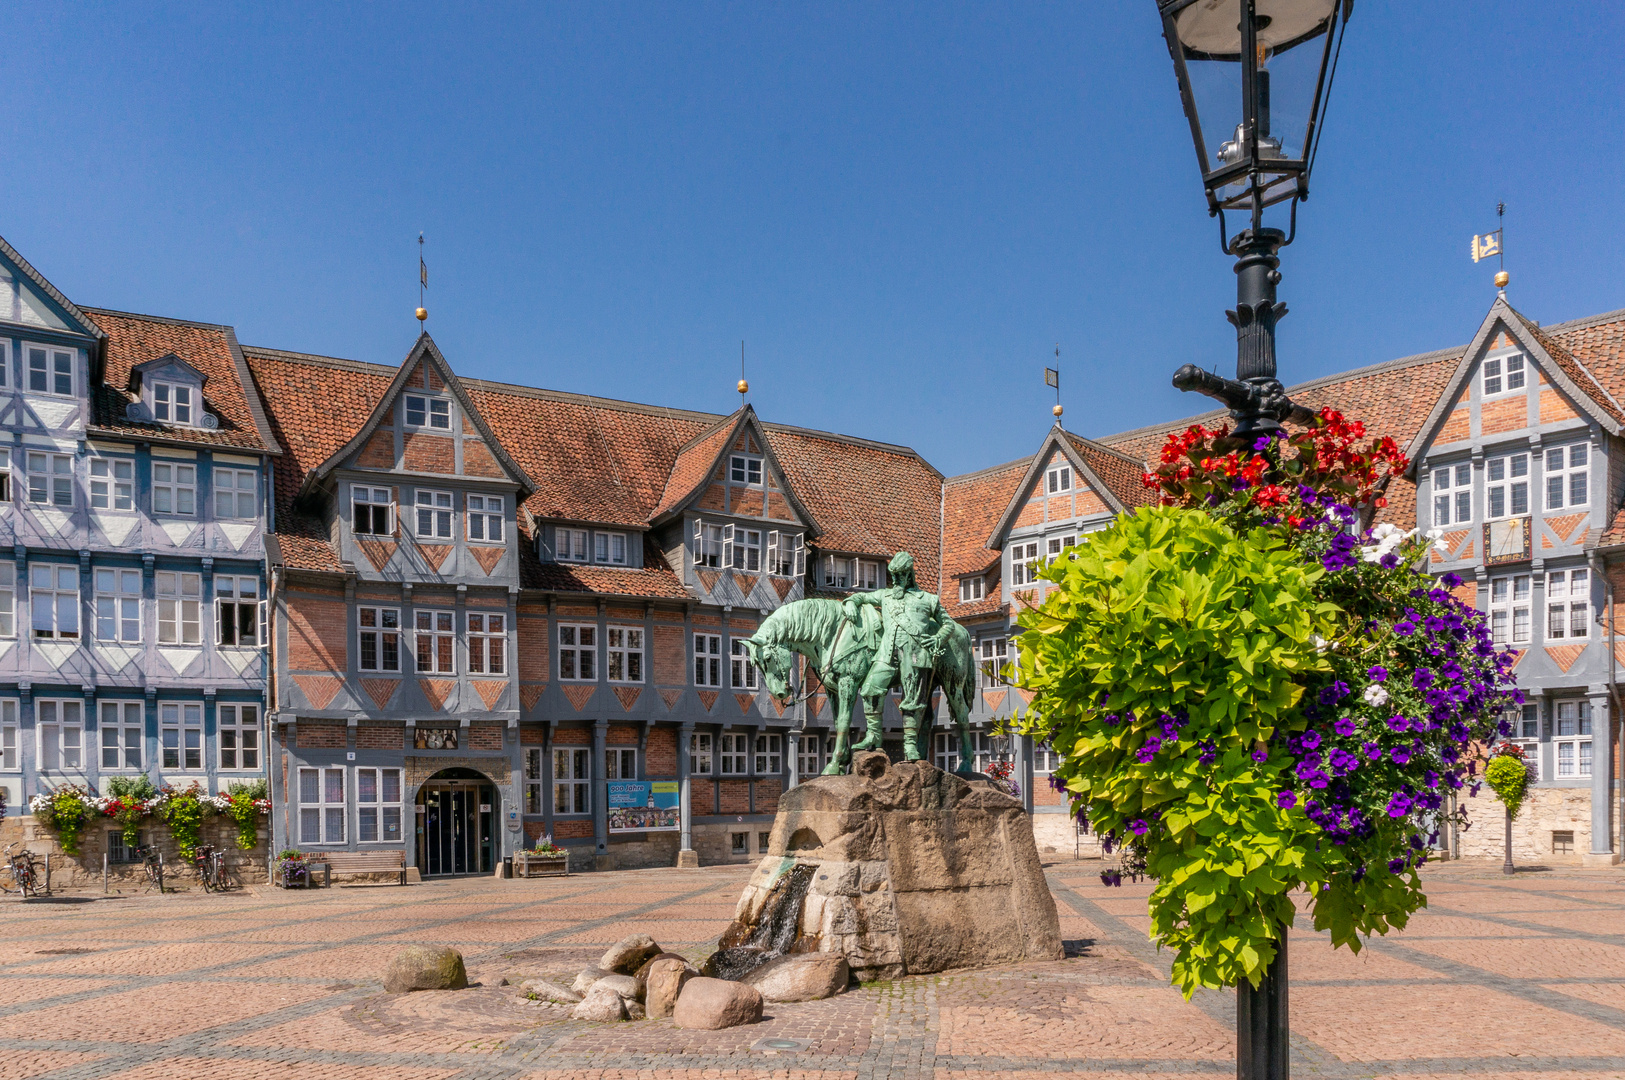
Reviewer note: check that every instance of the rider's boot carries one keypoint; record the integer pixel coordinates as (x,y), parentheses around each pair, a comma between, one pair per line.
(875,735)
(911,733)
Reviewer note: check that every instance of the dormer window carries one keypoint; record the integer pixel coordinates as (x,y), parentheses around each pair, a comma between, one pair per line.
(428,412)
(745,469)
(1058,480)
(172,403)
(971,588)
(50,371)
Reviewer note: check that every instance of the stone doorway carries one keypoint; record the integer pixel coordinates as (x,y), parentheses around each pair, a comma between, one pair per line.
(456,824)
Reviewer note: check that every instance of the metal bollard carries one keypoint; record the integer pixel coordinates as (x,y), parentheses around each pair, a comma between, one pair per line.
(104,873)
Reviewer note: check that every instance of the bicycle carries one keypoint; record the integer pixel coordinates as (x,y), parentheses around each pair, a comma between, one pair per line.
(152,864)
(211,869)
(23,872)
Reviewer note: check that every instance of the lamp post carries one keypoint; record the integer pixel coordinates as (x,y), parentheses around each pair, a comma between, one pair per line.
(1254,76)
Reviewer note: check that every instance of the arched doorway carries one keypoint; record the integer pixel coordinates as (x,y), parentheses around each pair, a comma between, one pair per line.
(456,824)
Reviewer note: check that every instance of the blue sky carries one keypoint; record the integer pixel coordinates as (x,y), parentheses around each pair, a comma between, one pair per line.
(901,210)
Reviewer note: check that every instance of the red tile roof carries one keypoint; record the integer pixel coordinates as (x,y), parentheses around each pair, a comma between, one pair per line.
(692,467)
(971,506)
(1118,471)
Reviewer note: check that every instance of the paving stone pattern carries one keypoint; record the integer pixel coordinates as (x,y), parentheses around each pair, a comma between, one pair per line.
(1520,977)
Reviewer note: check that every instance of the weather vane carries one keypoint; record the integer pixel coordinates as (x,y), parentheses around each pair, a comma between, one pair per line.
(1052,377)
(1492,244)
(423,281)
(744,387)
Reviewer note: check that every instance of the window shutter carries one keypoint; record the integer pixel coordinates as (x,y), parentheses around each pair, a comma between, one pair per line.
(699,542)
(773,551)
(829,569)
(727,545)
(801,554)
(263,642)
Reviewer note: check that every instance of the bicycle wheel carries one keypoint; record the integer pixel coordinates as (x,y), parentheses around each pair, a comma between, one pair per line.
(8,879)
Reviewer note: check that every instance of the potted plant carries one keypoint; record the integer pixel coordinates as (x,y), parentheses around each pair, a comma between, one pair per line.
(1508,776)
(292,870)
(546,859)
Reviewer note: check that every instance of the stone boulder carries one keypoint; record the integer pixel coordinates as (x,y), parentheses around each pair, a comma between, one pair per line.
(550,991)
(425,967)
(642,974)
(663,979)
(624,985)
(905,869)
(627,955)
(801,977)
(602,1004)
(709,1004)
(587,977)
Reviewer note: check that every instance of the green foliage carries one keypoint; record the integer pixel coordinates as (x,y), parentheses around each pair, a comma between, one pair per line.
(244,804)
(70,810)
(1508,777)
(137,788)
(182,811)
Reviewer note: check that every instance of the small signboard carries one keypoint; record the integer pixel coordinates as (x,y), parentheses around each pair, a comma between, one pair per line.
(643,806)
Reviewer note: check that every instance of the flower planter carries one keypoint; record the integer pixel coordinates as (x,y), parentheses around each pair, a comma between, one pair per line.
(528,864)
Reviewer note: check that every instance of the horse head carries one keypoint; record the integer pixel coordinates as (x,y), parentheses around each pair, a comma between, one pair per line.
(774,662)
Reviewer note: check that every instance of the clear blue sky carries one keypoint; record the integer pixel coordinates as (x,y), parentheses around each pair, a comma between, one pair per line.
(901,210)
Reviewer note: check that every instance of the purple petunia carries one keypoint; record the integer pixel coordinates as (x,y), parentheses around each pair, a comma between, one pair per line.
(1401,755)
(1310,739)
(1377,673)
(1404,629)
(1422,678)
(1138,827)
(1399,805)
(1344,727)
(1371,750)
(1336,692)
(1261,756)
(1398,723)
(1286,800)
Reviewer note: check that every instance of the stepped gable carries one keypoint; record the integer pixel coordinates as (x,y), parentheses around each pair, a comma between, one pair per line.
(228,390)
(971,505)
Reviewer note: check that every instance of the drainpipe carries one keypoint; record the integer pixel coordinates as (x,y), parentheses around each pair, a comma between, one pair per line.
(1613,698)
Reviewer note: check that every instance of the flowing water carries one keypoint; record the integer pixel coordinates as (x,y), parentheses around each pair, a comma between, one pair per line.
(776,933)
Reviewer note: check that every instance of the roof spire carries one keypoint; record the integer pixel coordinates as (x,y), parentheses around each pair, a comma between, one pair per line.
(1052,377)
(744,387)
(423,282)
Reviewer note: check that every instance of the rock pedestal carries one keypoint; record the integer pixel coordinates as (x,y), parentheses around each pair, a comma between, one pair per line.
(912,870)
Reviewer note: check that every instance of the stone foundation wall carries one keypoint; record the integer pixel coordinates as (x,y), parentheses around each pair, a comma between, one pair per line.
(1055,834)
(85,869)
(1544,811)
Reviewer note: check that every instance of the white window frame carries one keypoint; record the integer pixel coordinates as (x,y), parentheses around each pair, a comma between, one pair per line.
(708,660)
(8,599)
(1564,479)
(992,653)
(570,545)
(1453,501)
(381,626)
(487,642)
(325,812)
(867,574)
(237,734)
(236,490)
(1045,759)
(485,515)
(709,543)
(786,554)
(1504,375)
(734,754)
(121,735)
(624,646)
(945,751)
(745,469)
(621,763)
(50,478)
(1021,554)
(610,548)
(435,628)
(6,493)
(578,641)
(434,513)
(434,412)
(1525,721)
(1058,480)
(1056,546)
(972,587)
(118,603)
(572,781)
(174,403)
(701,759)
(237,603)
(837,572)
(1568,604)
(533,781)
(1509,609)
(57,585)
(769,754)
(742,673)
(10,753)
(60,723)
(174,488)
(1571,738)
(812,754)
(1506,482)
(366,502)
(378,813)
(747,549)
(112,484)
(55,364)
(180,733)
(180,607)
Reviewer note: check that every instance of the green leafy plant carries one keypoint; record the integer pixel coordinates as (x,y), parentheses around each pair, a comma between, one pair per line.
(1508,777)
(67,810)
(546,846)
(182,810)
(246,803)
(127,803)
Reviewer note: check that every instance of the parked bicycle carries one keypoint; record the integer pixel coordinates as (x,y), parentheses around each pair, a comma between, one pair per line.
(152,864)
(21,873)
(211,869)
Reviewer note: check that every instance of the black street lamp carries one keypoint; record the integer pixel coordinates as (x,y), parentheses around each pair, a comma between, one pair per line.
(1254,76)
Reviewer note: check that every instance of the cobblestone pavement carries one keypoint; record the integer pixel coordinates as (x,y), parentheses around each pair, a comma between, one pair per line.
(1501,977)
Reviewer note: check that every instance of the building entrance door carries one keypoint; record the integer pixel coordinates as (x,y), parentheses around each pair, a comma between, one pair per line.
(455,826)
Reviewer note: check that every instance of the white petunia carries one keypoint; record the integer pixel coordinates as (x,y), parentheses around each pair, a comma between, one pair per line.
(1375,695)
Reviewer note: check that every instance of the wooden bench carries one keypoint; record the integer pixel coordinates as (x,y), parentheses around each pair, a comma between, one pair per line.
(361,862)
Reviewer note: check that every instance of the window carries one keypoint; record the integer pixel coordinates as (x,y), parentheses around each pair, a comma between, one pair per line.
(1526,733)
(572,545)
(762,841)
(609,548)
(434,514)
(61,734)
(485,518)
(118,605)
(50,478)
(1566,475)
(8,599)
(428,412)
(53,593)
(735,755)
(321,806)
(50,371)
(786,554)
(621,763)
(625,653)
(1506,486)
(370,511)
(812,754)
(378,806)
(180,731)
(744,672)
(1045,758)
(174,488)
(945,751)
(1020,556)
(699,754)
(1568,604)
(866,575)
(745,470)
(122,725)
(1573,738)
(112,484)
(747,553)
(739,843)
(5,457)
(1055,545)
(837,572)
(707,544)
(994,652)
(120,852)
(1058,480)
(171,403)
(8,735)
(1563,842)
(1453,502)
(1503,375)
(238,598)
(707,660)
(572,773)
(434,643)
(769,755)
(236,494)
(1509,609)
(239,736)
(380,630)
(578,652)
(533,781)
(180,603)
(971,588)
(487,643)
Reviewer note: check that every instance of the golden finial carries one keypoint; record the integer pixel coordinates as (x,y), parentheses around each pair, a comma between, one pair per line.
(423,313)
(1501,279)
(1057,411)
(743,387)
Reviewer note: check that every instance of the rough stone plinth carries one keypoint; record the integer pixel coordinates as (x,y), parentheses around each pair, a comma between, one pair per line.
(425,967)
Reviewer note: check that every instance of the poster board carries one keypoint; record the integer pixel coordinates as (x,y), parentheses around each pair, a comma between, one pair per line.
(643,806)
